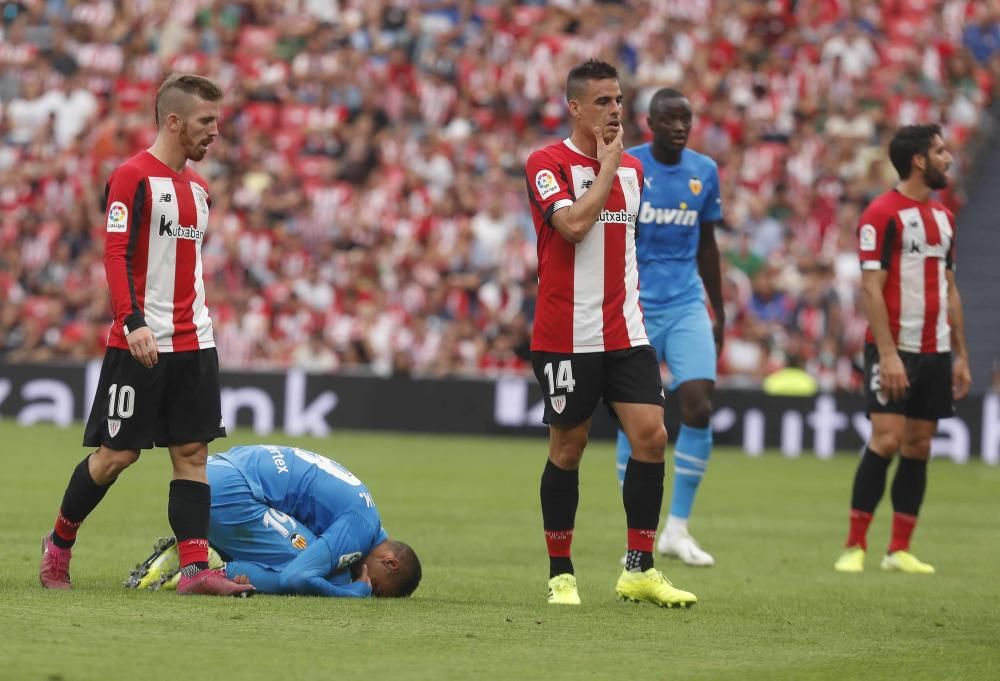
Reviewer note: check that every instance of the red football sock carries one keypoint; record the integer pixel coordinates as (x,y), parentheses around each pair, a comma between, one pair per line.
(193,551)
(641,540)
(858,534)
(66,529)
(559,542)
(902,530)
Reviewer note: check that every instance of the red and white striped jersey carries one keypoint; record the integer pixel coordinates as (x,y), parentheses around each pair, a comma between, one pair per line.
(915,242)
(588,293)
(156,221)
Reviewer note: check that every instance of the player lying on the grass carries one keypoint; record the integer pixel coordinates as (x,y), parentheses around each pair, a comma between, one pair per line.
(293,522)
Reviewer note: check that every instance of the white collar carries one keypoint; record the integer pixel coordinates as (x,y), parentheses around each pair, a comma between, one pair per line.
(569,143)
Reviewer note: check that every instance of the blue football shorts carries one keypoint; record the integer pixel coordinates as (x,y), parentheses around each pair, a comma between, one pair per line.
(243,528)
(682,337)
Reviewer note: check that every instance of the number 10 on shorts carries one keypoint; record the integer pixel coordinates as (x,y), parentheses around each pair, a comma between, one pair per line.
(121,402)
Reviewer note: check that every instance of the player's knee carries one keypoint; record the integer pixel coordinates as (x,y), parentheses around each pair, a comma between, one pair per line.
(916,446)
(106,464)
(886,443)
(697,412)
(567,452)
(650,442)
(193,454)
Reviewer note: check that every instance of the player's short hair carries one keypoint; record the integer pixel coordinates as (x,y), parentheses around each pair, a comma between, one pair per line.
(174,95)
(909,141)
(592,69)
(665,93)
(406,579)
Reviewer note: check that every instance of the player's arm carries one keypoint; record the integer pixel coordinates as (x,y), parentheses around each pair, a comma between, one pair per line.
(124,203)
(892,375)
(710,269)
(876,241)
(268,580)
(575,221)
(335,549)
(961,377)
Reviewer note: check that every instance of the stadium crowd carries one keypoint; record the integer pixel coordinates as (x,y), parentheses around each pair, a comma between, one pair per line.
(369,209)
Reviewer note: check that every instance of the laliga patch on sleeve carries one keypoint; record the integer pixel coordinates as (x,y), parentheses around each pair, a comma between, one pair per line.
(546,183)
(118,217)
(348,559)
(867,238)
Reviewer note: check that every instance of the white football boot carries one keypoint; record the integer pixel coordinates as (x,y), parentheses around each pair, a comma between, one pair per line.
(680,544)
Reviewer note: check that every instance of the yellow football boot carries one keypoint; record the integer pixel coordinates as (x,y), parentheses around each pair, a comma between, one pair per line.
(562,590)
(651,586)
(851,560)
(904,561)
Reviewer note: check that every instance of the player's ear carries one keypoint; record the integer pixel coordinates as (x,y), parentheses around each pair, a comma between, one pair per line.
(391,562)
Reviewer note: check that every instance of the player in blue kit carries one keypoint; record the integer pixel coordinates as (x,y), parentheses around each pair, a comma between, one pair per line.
(293,522)
(678,263)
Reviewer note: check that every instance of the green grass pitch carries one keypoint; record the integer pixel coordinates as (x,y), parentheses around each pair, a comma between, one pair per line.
(771,609)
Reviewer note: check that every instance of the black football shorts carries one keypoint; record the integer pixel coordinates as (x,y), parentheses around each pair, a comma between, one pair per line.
(929,397)
(573,383)
(176,402)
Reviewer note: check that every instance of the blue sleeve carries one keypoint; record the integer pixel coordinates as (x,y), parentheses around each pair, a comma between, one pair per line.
(308,573)
(269,581)
(712,210)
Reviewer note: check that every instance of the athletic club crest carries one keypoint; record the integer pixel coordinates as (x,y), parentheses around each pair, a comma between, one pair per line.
(114,425)
(558,403)
(695,184)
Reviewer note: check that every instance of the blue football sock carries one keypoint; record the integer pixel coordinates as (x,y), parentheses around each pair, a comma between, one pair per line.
(694,446)
(623,452)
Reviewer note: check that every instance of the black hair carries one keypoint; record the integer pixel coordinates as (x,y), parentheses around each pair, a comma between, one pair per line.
(909,141)
(665,93)
(407,578)
(592,69)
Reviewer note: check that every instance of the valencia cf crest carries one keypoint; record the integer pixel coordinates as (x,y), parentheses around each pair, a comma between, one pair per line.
(298,541)
(114,425)
(695,184)
(558,403)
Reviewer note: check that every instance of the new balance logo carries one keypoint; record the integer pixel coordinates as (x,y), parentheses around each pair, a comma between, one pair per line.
(586,184)
(166,198)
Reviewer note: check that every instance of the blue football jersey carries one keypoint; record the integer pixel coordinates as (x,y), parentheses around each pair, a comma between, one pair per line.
(675,201)
(319,493)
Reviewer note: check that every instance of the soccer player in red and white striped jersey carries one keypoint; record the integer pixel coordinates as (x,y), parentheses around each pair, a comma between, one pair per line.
(916,363)
(589,342)
(159,383)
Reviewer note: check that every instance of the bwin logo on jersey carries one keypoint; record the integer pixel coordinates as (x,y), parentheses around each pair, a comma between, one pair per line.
(667,216)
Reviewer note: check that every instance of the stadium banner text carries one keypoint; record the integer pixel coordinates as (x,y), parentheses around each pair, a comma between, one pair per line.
(304,404)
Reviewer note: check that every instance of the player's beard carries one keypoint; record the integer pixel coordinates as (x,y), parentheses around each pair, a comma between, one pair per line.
(934,178)
(193,150)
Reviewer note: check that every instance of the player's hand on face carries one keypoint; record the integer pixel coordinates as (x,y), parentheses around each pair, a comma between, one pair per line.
(142,345)
(892,377)
(610,153)
(961,378)
(363,577)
